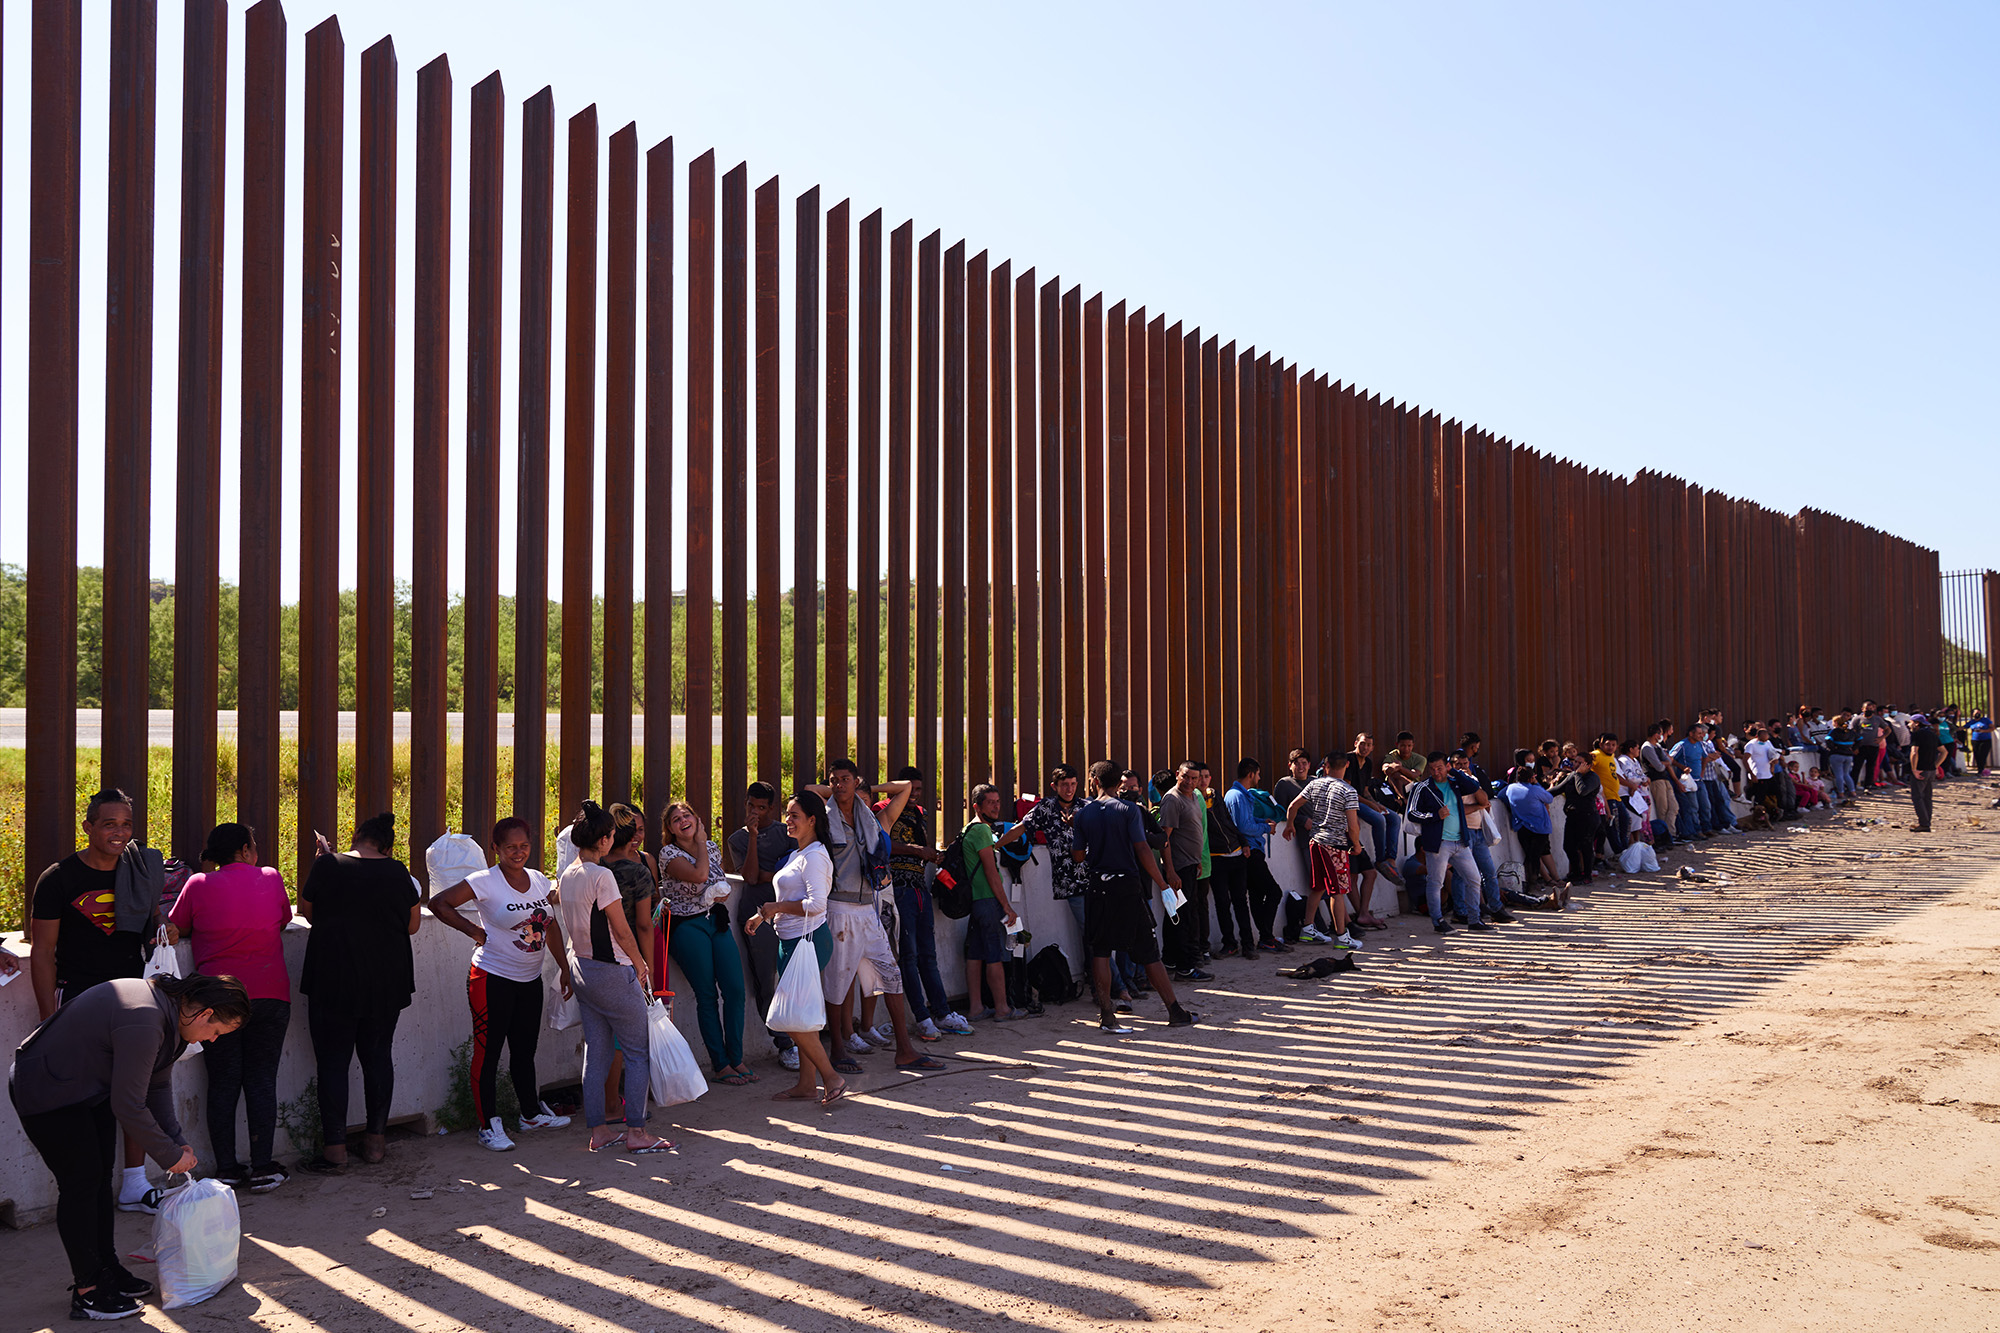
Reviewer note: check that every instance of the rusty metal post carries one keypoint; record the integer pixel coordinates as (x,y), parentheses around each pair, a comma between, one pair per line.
(479,682)
(924,753)
(430,457)
(807,467)
(838,659)
(659,633)
(1214,626)
(1163,692)
(1000,450)
(1077,576)
(767,484)
(198,465)
(1027,580)
(950,779)
(1136,517)
(1096,553)
(734,522)
(1195,504)
(261,456)
(1229,645)
(321,261)
(531,491)
(621,387)
(1170,560)
(53,313)
(580,484)
(128,401)
(699,552)
(978,503)
(375,439)
(1117,536)
(1051,592)
(868,505)
(899,516)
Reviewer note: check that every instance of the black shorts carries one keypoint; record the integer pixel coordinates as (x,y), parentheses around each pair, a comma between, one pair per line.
(1118,918)
(1534,846)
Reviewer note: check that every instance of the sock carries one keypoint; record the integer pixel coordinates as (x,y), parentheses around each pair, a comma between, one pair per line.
(133,1183)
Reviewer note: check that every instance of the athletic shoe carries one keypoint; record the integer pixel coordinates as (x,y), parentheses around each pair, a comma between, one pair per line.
(955,1023)
(1504,917)
(883,1034)
(926,1031)
(1178,1017)
(1344,941)
(237,1177)
(545,1119)
(1477,925)
(101,1302)
(149,1202)
(1192,974)
(1441,926)
(1312,935)
(126,1283)
(267,1177)
(495,1137)
(859,1044)
(789,1058)
(1273,946)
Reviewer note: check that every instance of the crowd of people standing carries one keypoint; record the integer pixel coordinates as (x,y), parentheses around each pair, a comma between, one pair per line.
(852,871)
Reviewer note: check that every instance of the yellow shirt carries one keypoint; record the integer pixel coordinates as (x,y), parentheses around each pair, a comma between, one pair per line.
(1606,769)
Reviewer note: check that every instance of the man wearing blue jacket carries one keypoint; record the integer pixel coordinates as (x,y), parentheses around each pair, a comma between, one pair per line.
(1437,812)
(1256,820)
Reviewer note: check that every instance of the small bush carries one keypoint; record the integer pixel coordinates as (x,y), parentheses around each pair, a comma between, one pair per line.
(458,1112)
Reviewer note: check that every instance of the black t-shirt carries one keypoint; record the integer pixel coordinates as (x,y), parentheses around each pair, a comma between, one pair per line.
(358,954)
(773,846)
(1925,739)
(89,947)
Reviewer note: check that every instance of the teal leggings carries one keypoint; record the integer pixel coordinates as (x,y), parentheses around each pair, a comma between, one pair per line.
(706,955)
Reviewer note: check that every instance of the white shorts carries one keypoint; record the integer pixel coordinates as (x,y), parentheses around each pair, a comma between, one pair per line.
(860,952)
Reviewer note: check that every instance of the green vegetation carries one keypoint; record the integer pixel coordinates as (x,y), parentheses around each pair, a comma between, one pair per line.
(1964,677)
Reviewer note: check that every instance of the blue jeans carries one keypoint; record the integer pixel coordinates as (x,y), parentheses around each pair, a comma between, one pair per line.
(612,1004)
(1694,813)
(1843,775)
(706,954)
(1489,878)
(916,950)
(1718,811)
(1458,858)
(1387,826)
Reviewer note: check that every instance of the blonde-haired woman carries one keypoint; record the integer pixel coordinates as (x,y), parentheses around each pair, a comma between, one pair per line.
(693,894)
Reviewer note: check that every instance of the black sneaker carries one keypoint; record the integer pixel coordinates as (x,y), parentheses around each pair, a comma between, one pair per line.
(101,1302)
(1504,917)
(126,1283)
(149,1202)
(235,1175)
(1192,974)
(1477,925)
(1441,926)
(1181,1018)
(267,1177)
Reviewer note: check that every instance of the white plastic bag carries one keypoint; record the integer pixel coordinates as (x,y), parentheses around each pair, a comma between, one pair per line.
(565,850)
(195,1237)
(164,961)
(563,1014)
(798,1005)
(1638,856)
(675,1076)
(451,859)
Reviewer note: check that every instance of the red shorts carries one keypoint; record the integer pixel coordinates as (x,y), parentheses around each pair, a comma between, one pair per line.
(1329,869)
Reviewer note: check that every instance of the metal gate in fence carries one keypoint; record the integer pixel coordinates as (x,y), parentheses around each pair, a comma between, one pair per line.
(1970,602)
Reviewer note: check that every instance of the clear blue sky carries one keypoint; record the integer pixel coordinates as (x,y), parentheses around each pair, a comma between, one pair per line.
(1749,245)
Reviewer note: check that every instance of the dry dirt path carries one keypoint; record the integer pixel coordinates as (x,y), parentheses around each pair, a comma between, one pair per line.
(1770,1103)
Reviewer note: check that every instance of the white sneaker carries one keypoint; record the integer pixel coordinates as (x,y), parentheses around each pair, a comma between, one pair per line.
(927,1031)
(495,1137)
(859,1044)
(789,1058)
(884,1034)
(1314,935)
(956,1024)
(544,1119)
(1345,941)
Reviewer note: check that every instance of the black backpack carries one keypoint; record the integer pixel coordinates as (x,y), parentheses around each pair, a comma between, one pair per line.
(951,889)
(1052,978)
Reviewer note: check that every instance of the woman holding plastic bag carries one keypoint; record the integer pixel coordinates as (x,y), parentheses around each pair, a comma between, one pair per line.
(105,1062)
(692,890)
(504,985)
(611,983)
(798,917)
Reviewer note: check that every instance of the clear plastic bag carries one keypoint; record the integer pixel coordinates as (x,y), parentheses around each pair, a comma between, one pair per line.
(196,1235)
(798,1006)
(1638,857)
(674,1075)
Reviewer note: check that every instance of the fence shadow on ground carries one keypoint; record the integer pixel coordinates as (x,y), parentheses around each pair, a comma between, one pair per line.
(1111,1181)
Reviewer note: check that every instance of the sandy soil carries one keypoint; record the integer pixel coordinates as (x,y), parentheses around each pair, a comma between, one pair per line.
(1767,1103)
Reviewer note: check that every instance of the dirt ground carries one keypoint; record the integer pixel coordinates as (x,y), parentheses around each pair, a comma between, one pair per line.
(1767,1103)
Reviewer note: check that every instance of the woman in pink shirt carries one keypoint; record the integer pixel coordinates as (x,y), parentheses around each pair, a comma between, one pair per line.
(234,913)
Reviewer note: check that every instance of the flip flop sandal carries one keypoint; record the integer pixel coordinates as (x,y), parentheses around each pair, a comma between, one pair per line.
(658,1145)
(833,1095)
(793,1095)
(733,1080)
(847,1066)
(608,1145)
(928,1064)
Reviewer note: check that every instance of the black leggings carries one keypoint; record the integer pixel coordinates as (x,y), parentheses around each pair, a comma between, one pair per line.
(510,1012)
(1982,751)
(1579,837)
(245,1063)
(79,1145)
(1229,883)
(1264,894)
(340,1036)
